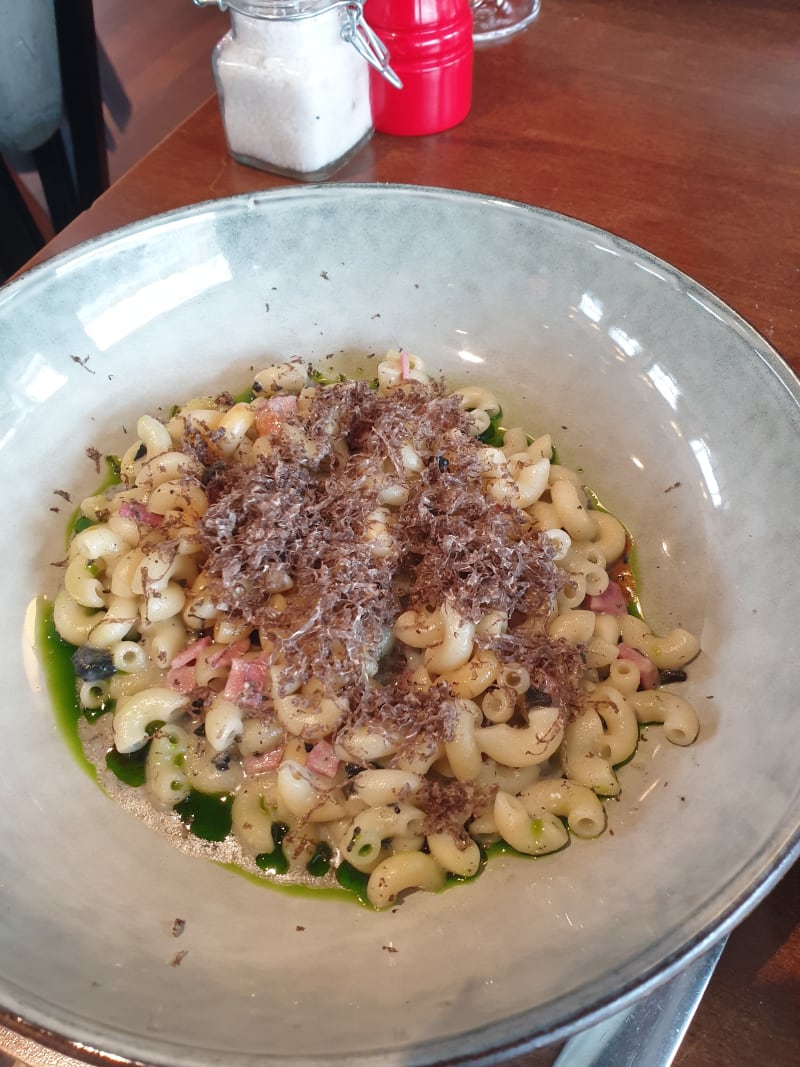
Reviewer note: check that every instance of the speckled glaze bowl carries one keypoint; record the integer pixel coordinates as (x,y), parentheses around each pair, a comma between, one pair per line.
(681,418)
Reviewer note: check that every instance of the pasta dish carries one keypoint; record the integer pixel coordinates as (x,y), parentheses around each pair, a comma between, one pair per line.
(389,632)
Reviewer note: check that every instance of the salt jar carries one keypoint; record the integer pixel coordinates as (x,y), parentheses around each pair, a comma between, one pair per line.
(292,78)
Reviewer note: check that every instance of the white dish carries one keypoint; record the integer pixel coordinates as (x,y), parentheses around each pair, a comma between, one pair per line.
(685,422)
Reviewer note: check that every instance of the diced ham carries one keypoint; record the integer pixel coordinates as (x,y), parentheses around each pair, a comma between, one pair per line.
(190,653)
(181,678)
(405,367)
(267,761)
(648,672)
(223,656)
(323,760)
(272,411)
(268,423)
(611,602)
(285,403)
(245,683)
(132,509)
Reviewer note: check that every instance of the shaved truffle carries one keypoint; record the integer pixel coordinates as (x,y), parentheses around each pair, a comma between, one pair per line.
(416,718)
(449,805)
(481,555)
(296,519)
(555,666)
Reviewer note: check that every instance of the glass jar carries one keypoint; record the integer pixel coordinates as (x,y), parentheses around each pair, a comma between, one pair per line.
(292,78)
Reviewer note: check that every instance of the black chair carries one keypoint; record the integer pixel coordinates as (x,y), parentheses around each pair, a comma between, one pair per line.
(72,163)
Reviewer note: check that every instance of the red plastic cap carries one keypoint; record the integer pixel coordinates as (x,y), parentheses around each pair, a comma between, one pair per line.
(430,49)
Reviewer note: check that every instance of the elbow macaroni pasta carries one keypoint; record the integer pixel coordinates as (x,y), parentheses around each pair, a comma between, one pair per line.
(219,707)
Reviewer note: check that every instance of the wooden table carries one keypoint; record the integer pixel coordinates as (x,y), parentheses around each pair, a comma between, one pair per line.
(675,124)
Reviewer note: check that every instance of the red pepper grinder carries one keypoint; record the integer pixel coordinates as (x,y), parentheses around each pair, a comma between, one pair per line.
(430,49)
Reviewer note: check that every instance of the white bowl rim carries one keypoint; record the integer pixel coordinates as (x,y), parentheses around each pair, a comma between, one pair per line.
(783,858)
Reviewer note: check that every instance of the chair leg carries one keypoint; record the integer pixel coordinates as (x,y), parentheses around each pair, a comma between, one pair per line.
(83,100)
(20,238)
(59,189)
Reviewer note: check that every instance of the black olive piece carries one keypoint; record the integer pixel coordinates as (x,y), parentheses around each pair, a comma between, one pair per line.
(211,472)
(671,674)
(93,664)
(537,698)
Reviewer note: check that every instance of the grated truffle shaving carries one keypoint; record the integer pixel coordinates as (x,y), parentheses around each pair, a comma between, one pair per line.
(296,519)
(462,545)
(417,718)
(449,805)
(555,666)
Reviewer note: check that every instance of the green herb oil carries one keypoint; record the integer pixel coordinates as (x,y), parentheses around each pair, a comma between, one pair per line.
(55,655)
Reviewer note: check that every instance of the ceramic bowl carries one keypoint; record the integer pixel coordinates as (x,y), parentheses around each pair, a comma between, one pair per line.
(683,420)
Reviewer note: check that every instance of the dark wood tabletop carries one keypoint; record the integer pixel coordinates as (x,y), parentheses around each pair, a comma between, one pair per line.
(674,124)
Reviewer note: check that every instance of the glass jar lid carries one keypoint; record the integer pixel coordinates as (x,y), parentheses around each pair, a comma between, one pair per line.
(355,28)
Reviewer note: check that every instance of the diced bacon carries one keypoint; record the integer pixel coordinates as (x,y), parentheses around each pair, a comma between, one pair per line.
(223,656)
(245,683)
(181,678)
(611,602)
(267,761)
(648,672)
(132,509)
(405,367)
(190,653)
(323,760)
